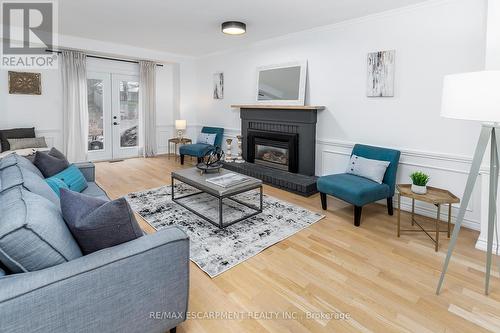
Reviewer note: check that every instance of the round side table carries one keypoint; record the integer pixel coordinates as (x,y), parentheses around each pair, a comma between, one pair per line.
(177,142)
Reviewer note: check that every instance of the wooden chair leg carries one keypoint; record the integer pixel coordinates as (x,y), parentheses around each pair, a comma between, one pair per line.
(182,159)
(324,204)
(357,215)
(390,207)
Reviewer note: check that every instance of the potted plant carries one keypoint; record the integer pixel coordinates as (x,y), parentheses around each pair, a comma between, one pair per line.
(419,182)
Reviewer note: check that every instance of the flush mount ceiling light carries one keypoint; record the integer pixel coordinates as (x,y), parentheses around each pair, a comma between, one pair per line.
(234,28)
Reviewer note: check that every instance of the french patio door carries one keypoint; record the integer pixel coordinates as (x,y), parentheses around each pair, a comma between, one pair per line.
(114,113)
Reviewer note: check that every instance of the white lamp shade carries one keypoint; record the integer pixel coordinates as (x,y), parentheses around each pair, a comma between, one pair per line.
(180,124)
(472,96)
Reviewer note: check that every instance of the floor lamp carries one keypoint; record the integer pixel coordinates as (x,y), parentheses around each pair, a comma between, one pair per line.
(476,96)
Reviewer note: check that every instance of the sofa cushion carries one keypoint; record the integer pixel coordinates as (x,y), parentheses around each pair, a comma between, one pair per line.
(22,161)
(33,234)
(14,133)
(50,163)
(197,149)
(215,130)
(96,223)
(16,176)
(23,143)
(73,178)
(93,190)
(356,190)
(10,177)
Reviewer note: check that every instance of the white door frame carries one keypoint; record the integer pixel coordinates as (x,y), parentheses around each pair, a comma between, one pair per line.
(112,149)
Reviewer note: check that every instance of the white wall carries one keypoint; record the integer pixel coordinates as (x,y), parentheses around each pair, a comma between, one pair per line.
(44,111)
(493,36)
(492,63)
(431,40)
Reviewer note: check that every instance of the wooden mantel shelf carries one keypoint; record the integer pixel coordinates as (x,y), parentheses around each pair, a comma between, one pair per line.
(280,107)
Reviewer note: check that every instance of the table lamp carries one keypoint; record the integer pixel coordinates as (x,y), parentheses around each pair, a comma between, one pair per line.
(475,96)
(180,126)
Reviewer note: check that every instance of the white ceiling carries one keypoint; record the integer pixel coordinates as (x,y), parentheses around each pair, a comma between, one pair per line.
(192,27)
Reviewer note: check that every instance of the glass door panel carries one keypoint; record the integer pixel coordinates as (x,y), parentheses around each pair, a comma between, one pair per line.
(99,106)
(126,113)
(96,114)
(129,114)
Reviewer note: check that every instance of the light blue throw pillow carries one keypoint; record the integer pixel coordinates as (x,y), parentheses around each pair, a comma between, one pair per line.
(206,138)
(56,185)
(73,178)
(368,168)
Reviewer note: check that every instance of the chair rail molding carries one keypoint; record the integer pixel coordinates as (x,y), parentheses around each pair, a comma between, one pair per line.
(482,241)
(163,133)
(53,137)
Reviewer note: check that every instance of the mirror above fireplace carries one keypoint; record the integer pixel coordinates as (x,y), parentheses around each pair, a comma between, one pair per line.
(283,84)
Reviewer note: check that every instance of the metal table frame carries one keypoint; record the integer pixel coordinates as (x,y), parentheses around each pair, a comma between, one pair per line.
(435,239)
(220,223)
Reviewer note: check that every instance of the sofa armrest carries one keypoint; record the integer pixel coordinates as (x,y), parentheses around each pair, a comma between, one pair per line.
(88,170)
(113,290)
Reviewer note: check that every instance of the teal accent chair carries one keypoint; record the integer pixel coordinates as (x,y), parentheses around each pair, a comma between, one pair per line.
(360,191)
(199,150)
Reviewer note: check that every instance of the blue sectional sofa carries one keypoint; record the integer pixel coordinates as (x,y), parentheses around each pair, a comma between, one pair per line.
(118,289)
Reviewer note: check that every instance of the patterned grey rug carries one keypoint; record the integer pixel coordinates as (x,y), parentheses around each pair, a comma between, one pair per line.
(216,250)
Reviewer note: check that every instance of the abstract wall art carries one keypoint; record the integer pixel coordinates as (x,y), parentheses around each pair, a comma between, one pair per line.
(218,86)
(380,82)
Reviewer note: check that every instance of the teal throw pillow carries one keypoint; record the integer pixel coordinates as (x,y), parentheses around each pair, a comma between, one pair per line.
(56,184)
(73,178)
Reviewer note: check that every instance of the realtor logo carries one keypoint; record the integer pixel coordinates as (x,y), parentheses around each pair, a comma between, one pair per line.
(28,30)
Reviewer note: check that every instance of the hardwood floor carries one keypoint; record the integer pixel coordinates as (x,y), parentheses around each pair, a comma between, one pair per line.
(385,283)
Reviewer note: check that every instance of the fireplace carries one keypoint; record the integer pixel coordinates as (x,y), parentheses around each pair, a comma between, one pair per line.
(279,146)
(273,149)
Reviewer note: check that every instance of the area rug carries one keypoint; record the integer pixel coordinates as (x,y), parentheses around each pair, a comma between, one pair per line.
(216,250)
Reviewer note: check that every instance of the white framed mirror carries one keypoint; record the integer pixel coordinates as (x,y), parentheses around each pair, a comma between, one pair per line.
(283,84)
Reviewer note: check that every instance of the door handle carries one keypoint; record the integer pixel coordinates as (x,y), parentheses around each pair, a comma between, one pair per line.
(115,123)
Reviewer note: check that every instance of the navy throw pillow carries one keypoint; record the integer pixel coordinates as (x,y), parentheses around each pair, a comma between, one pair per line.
(96,223)
(50,163)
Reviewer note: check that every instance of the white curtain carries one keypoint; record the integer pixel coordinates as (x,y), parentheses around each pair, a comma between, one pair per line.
(75,109)
(147,100)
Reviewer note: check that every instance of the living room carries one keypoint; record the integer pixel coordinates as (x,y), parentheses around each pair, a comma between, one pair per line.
(304,166)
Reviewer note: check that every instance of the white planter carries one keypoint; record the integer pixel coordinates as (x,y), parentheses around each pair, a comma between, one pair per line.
(418,189)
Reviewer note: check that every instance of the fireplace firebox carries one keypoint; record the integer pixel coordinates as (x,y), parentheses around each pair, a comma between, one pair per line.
(273,149)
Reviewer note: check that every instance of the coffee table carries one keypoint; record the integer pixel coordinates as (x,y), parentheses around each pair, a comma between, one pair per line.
(194,178)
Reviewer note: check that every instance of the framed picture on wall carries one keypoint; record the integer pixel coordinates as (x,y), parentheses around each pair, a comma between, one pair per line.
(380,81)
(218,85)
(25,83)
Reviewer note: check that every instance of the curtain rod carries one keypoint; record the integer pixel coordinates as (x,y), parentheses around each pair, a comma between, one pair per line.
(105,58)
